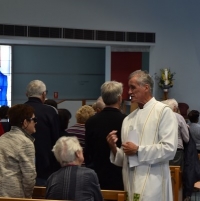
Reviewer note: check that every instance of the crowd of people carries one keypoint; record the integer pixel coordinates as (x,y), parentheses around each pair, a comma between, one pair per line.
(105,149)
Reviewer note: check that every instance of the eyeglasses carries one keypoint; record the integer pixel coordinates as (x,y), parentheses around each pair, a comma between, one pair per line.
(34,119)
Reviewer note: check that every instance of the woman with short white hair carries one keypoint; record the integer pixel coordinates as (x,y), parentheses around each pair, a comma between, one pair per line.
(72,182)
(183,133)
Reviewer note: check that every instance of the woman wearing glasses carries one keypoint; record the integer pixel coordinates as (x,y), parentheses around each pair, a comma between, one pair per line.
(17,154)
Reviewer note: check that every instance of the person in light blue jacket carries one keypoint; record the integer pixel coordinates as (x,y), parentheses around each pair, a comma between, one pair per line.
(193,116)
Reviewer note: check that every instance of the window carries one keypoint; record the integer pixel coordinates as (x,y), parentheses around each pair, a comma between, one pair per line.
(5,75)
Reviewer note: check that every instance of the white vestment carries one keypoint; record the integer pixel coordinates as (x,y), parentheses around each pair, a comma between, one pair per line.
(157,129)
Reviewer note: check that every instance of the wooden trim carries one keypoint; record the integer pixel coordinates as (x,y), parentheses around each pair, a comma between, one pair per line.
(83,102)
(176,181)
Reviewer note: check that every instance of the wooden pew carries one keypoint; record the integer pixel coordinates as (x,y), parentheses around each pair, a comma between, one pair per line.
(114,195)
(25,199)
(39,193)
(176,181)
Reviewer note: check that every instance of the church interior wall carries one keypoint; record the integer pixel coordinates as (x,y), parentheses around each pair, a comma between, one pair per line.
(176,24)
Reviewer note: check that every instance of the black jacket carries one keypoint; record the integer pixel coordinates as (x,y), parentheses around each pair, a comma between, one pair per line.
(47,133)
(97,151)
(191,169)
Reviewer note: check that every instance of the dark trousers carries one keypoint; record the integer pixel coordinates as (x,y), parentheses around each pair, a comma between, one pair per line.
(40,182)
(178,158)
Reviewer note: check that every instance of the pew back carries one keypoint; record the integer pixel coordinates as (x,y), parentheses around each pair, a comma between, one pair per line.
(39,193)
(24,199)
(114,195)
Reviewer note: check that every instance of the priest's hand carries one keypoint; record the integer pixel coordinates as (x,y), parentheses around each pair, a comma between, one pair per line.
(130,148)
(112,139)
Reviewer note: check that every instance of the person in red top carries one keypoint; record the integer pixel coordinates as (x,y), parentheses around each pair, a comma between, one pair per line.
(4,123)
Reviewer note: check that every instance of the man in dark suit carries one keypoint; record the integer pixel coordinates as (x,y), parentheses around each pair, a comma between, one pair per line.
(47,131)
(97,151)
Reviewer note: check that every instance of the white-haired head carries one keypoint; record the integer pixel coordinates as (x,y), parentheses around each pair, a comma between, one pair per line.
(67,150)
(172,103)
(36,88)
(143,78)
(99,105)
(110,92)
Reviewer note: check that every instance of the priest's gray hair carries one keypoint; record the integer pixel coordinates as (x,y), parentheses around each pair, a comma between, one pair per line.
(35,88)
(65,150)
(172,103)
(110,92)
(143,78)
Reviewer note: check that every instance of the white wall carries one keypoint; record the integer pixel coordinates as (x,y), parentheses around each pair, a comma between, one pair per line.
(176,24)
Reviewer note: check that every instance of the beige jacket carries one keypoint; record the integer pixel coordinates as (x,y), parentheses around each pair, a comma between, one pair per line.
(17,164)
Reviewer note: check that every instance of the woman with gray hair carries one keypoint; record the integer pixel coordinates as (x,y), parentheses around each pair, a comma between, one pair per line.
(183,133)
(97,150)
(111,91)
(72,182)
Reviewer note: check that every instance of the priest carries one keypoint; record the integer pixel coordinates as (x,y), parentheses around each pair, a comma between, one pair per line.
(149,141)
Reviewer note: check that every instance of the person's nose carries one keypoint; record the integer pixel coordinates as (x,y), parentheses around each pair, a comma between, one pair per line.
(130,91)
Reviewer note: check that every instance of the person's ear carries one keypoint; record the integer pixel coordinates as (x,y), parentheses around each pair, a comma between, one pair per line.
(78,154)
(24,123)
(98,110)
(120,98)
(146,87)
(43,96)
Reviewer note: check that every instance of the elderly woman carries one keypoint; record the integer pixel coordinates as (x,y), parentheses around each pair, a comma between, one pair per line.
(78,130)
(17,154)
(72,182)
(183,133)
